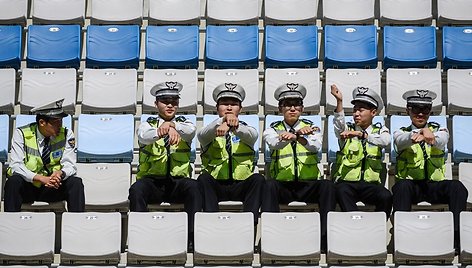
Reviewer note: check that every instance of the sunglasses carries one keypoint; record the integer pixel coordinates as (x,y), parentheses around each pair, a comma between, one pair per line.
(420,109)
(290,103)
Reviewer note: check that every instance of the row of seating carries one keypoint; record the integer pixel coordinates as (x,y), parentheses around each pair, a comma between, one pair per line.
(228,238)
(110,138)
(241,11)
(235,46)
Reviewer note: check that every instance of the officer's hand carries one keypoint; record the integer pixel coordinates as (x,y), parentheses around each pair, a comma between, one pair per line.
(164,129)
(305,131)
(348,134)
(417,137)
(174,136)
(231,120)
(222,130)
(287,136)
(57,175)
(428,135)
(336,92)
(52,182)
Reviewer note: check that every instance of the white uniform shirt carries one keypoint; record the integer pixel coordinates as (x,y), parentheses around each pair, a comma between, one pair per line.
(17,155)
(147,134)
(247,134)
(402,139)
(271,137)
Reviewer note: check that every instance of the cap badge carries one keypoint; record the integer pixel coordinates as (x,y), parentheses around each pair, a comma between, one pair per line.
(230,86)
(422,93)
(171,85)
(292,86)
(362,90)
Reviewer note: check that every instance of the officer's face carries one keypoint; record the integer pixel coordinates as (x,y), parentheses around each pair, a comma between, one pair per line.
(167,107)
(363,114)
(419,114)
(228,106)
(291,109)
(50,127)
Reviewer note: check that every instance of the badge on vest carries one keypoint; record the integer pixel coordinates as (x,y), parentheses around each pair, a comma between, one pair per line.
(235,139)
(57,154)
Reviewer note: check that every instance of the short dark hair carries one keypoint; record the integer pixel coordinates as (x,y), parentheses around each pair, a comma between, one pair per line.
(228,98)
(45,118)
(369,105)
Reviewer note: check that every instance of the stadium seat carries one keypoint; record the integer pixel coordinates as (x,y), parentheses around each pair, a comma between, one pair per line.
(409,47)
(465,176)
(59,11)
(405,12)
(232,11)
(400,81)
(310,78)
(172,47)
(25,119)
(351,46)
(90,238)
(347,80)
(224,238)
(454,12)
(333,145)
(193,147)
(146,233)
(458,94)
(462,148)
(105,138)
(171,11)
(105,185)
(423,237)
(290,11)
(7,90)
(10,42)
(457,47)
(188,95)
(13,11)
(41,86)
(116,11)
(356,238)
(291,46)
(465,226)
(115,46)
(53,46)
(4,137)
(248,79)
(348,12)
(109,91)
(290,238)
(399,121)
(232,47)
(27,238)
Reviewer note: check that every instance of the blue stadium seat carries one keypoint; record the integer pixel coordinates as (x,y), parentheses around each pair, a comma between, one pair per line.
(409,47)
(316,119)
(232,47)
(461,145)
(4,137)
(172,47)
(457,47)
(115,46)
(10,42)
(53,46)
(250,119)
(25,119)
(193,147)
(398,121)
(291,46)
(105,138)
(351,46)
(333,145)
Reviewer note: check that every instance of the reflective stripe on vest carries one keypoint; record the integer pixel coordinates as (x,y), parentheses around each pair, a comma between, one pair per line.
(282,166)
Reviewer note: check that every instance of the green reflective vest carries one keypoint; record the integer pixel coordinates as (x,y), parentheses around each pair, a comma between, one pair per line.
(357,161)
(292,164)
(153,157)
(215,159)
(421,161)
(33,159)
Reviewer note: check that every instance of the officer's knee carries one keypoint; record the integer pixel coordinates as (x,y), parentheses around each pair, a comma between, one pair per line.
(135,190)
(402,186)
(14,182)
(204,178)
(270,184)
(75,182)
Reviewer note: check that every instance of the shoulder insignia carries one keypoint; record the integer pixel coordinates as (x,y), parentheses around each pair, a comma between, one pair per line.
(181,119)
(243,123)
(306,121)
(406,129)
(315,129)
(71,142)
(377,125)
(151,120)
(275,124)
(434,125)
(351,125)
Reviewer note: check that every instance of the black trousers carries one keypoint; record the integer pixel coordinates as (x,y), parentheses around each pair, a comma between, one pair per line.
(249,191)
(18,191)
(349,193)
(154,190)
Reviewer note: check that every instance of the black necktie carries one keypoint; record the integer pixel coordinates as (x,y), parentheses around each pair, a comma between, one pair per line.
(167,146)
(229,150)
(425,156)
(45,156)
(364,149)
(294,149)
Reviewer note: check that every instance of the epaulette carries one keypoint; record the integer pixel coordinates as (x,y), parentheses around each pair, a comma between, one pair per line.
(243,123)
(180,119)
(351,125)
(275,124)
(406,129)
(306,121)
(434,125)
(377,125)
(152,120)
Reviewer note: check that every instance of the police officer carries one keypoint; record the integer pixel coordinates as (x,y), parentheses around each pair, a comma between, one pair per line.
(294,145)
(359,166)
(42,166)
(228,155)
(420,169)
(164,157)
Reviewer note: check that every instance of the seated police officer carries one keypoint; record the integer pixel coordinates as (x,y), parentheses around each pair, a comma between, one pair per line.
(294,144)
(164,157)
(359,166)
(42,166)
(420,169)
(228,155)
